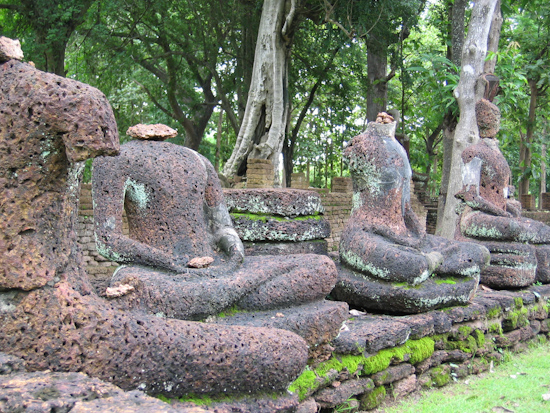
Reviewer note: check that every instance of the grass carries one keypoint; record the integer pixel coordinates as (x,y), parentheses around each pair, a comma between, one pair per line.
(514,386)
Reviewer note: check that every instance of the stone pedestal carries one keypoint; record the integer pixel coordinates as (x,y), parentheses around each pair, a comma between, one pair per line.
(278,221)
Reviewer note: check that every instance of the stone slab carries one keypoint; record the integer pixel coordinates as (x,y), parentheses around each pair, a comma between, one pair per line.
(316,322)
(370,334)
(271,229)
(274,201)
(285,248)
(368,293)
(74,392)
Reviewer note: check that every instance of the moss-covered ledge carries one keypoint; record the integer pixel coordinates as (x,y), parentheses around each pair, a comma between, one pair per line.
(378,357)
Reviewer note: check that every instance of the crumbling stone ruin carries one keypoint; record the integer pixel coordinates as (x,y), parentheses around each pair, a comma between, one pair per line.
(389,263)
(279,221)
(520,247)
(50,316)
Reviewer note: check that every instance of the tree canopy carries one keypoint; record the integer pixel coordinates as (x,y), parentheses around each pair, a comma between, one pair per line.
(190,64)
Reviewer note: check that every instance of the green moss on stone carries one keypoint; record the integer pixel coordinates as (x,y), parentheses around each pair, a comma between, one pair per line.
(518,301)
(440,377)
(465,331)
(517,318)
(331,364)
(303,384)
(495,328)
(479,337)
(198,400)
(449,280)
(469,345)
(352,362)
(417,350)
(494,312)
(373,399)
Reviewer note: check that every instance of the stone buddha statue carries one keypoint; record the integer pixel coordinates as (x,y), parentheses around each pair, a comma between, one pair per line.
(177,218)
(519,248)
(388,262)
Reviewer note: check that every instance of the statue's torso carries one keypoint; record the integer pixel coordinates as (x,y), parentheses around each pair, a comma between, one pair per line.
(165,189)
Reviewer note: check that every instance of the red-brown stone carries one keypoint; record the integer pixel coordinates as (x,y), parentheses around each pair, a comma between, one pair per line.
(49,314)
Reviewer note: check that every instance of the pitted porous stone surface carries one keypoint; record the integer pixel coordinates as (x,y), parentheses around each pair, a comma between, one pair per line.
(319,247)
(263,282)
(73,392)
(156,132)
(488,118)
(50,315)
(159,356)
(370,334)
(317,322)
(362,291)
(10,364)
(334,396)
(10,49)
(283,202)
(48,124)
(271,229)
(388,262)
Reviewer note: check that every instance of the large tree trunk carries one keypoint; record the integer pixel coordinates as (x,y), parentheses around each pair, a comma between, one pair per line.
(467,94)
(454,53)
(263,127)
(377,63)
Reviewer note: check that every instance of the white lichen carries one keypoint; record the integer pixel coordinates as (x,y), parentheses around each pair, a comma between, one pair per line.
(137,193)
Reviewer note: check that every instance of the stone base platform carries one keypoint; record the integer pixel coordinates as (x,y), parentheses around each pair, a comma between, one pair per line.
(375,358)
(316,322)
(372,294)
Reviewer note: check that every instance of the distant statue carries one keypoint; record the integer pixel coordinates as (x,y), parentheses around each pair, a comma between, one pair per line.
(520,254)
(50,314)
(177,218)
(389,263)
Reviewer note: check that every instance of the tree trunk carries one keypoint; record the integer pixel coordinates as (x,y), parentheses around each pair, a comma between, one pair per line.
(456,13)
(218,142)
(467,94)
(263,127)
(525,155)
(494,37)
(377,62)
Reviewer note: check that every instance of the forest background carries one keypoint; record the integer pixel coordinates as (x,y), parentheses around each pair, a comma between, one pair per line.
(242,78)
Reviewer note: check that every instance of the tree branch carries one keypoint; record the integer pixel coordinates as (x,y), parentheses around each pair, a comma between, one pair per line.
(10,6)
(154,100)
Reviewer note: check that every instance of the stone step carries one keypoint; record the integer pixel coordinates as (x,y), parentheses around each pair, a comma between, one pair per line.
(317,322)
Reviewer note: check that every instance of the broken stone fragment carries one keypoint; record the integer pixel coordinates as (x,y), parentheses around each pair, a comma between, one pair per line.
(10,49)
(157,132)
(383,117)
(200,262)
(119,290)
